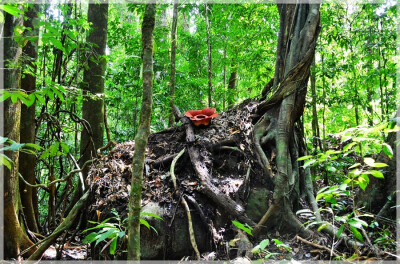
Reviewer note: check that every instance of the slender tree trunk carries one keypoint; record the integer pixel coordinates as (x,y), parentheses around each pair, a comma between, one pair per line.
(324,97)
(232,85)
(15,239)
(224,79)
(210,87)
(171,119)
(28,161)
(142,135)
(314,123)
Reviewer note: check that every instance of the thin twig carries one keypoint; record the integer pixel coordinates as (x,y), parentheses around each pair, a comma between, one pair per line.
(317,246)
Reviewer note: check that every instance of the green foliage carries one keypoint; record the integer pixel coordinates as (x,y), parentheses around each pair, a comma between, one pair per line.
(10,145)
(112,229)
(244,227)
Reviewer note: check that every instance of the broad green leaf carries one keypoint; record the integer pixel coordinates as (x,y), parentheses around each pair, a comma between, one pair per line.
(376,174)
(57,43)
(263,244)
(12,10)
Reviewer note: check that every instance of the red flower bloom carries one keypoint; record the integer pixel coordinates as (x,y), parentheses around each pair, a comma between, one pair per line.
(201,117)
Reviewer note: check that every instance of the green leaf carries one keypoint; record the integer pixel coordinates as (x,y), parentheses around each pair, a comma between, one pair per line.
(3,140)
(369,161)
(304,158)
(354,166)
(246,229)
(349,146)
(308,163)
(31,99)
(5,95)
(145,223)
(340,231)
(376,174)
(356,233)
(40,98)
(12,10)
(89,238)
(380,165)
(152,215)
(34,146)
(113,246)
(387,149)
(106,235)
(6,161)
(57,43)
(99,226)
(323,226)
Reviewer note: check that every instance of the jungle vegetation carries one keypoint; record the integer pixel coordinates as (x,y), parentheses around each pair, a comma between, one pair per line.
(307,109)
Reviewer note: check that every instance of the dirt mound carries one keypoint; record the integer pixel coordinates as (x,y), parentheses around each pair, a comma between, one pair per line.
(225,149)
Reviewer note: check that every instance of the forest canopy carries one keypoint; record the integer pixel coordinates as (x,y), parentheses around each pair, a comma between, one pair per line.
(300,138)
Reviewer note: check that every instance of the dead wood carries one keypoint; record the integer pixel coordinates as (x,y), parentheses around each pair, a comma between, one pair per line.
(206,187)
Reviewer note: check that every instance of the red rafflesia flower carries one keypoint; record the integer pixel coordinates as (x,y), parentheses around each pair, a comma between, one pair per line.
(201,117)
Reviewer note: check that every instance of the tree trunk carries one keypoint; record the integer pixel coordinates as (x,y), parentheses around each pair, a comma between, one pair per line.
(28,161)
(210,87)
(142,135)
(315,126)
(298,34)
(232,85)
(93,85)
(171,119)
(16,239)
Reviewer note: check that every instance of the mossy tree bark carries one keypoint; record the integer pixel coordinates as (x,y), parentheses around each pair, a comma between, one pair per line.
(299,29)
(93,83)
(142,135)
(28,161)
(15,239)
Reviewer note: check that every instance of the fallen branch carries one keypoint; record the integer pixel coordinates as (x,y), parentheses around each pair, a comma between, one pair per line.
(331,252)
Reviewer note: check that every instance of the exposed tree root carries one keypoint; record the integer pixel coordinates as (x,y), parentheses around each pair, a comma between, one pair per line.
(65,225)
(185,205)
(259,131)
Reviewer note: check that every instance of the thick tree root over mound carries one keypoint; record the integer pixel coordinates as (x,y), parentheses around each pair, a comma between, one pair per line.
(224,175)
